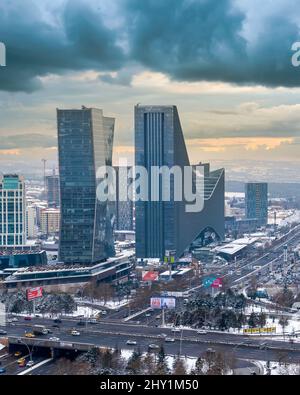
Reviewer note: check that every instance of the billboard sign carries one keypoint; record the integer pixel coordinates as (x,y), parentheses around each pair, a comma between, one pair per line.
(217,283)
(208,281)
(212,282)
(253,331)
(150,276)
(163,303)
(34,293)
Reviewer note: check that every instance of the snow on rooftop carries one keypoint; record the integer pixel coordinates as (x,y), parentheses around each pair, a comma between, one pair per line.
(236,245)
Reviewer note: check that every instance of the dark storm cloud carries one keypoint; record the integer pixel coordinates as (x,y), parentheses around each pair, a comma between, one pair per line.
(196,40)
(190,40)
(78,40)
(30,140)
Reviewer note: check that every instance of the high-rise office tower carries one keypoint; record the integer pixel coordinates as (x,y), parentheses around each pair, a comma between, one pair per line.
(166,226)
(256,201)
(31,222)
(12,211)
(85,140)
(52,190)
(50,221)
(124,208)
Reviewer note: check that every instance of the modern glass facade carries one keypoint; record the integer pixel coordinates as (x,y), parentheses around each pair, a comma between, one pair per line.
(52,188)
(18,259)
(12,211)
(164,226)
(85,140)
(124,209)
(256,200)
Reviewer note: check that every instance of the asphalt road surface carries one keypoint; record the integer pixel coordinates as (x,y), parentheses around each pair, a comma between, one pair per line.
(187,342)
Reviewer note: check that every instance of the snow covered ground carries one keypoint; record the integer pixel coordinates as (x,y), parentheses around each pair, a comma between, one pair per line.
(292,216)
(189,362)
(110,304)
(280,369)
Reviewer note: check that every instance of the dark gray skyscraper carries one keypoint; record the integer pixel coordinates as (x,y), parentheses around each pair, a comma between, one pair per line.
(52,190)
(85,140)
(256,200)
(163,226)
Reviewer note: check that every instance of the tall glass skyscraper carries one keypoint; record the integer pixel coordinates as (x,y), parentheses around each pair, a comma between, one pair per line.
(12,211)
(256,200)
(85,141)
(52,190)
(124,209)
(165,226)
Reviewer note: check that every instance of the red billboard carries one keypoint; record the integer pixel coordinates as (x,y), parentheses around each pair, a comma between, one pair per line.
(150,276)
(217,283)
(34,293)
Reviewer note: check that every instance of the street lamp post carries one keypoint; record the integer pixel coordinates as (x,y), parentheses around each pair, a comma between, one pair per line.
(180,345)
(20,341)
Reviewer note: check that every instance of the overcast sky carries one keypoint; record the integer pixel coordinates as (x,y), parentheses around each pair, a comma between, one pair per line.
(226,64)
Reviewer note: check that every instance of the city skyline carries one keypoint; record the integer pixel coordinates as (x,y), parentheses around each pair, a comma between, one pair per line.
(241,116)
(149,191)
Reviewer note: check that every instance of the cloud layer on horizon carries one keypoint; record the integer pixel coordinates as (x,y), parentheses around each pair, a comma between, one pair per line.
(188,40)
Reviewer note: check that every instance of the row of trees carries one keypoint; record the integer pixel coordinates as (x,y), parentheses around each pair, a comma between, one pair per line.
(226,310)
(49,303)
(110,362)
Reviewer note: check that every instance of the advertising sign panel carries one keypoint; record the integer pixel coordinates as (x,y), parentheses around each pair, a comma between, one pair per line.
(163,303)
(150,276)
(34,293)
(208,281)
(217,283)
(253,331)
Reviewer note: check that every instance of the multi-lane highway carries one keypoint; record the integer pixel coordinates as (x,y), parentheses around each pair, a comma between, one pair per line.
(187,342)
(111,332)
(271,259)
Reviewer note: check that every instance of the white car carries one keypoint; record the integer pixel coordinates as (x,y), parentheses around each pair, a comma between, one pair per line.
(75,333)
(15,320)
(169,340)
(176,330)
(201,332)
(29,364)
(131,343)
(54,339)
(154,346)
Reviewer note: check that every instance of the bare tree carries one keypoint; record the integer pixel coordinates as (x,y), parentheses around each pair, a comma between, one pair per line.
(179,367)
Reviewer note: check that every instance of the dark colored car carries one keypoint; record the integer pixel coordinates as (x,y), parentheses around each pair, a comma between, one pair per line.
(57,321)
(55,326)
(2,332)
(28,318)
